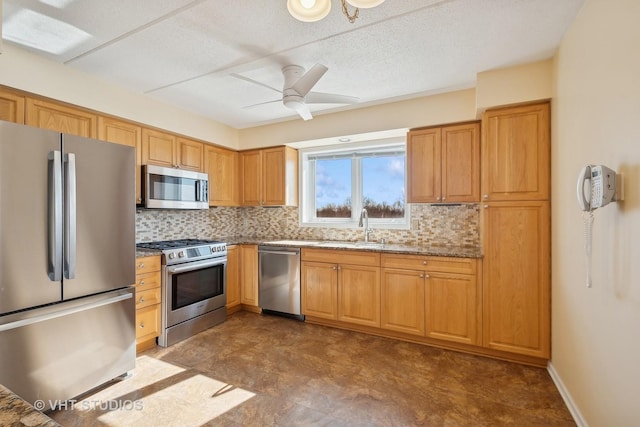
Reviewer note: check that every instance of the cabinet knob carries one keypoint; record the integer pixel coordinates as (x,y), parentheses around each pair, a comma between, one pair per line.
(141,300)
(424,262)
(140,199)
(444,198)
(426,276)
(486,196)
(335,268)
(338,267)
(485,206)
(141,282)
(141,325)
(421,276)
(438,199)
(141,265)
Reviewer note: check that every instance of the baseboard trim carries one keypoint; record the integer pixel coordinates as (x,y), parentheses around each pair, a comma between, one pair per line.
(566,396)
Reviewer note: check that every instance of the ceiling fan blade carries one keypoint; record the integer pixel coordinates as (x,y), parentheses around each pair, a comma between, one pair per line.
(309,79)
(302,110)
(329,98)
(247,79)
(262,103)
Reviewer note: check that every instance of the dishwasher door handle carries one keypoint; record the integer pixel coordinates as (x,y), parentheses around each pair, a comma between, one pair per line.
(289,253)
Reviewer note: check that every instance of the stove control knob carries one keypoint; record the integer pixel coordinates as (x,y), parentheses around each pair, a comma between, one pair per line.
(181,254)
(172,255)
(213,249)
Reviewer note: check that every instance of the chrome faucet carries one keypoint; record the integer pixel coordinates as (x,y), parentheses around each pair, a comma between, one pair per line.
(367,230)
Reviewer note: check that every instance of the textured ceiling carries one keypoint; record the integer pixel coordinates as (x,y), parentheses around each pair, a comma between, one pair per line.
(187,52)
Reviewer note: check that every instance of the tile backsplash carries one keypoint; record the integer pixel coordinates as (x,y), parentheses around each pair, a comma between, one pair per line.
(439,225)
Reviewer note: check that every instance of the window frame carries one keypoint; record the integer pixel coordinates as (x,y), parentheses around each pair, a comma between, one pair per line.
(356,151)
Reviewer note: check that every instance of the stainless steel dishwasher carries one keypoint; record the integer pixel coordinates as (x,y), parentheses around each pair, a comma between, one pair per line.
(279,280)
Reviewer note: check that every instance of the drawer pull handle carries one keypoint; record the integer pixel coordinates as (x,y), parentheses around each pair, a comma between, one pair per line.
(141,325)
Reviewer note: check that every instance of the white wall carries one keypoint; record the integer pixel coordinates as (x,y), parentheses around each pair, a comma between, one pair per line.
(23,70)
(596,112)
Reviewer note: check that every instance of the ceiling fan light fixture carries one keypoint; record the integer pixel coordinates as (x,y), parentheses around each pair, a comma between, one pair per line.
(365,4)
(309,10)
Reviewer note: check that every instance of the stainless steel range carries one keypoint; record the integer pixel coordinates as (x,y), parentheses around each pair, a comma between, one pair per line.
(194,287)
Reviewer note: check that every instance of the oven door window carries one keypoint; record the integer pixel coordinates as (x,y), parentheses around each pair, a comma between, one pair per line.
(163,187)
(198,285)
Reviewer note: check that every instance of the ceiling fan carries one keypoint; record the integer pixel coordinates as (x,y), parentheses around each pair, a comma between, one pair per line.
(296,92)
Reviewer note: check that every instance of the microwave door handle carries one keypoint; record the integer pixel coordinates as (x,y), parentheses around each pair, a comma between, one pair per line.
(198,190)
(70,216)
(54,216)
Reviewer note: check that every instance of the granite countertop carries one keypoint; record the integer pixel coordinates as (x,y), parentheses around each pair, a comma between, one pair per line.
(429,250)
(15,411)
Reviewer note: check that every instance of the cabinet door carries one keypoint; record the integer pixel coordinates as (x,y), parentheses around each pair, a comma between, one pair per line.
(424,166)
(158,148)
(251,173)
(402,301)
(233,276)
(11,107)
(319,283)
(249,275)
(124,133)
(452,307)
(359,294)
(516,283)
(222,167)
(516,153)
(461,163)
(48,115)
(190,155)
(279,177)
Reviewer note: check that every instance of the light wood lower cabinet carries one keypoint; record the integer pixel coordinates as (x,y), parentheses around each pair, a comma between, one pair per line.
(148,301)
(233,279)
(341,285)
(436,297)
(249,277)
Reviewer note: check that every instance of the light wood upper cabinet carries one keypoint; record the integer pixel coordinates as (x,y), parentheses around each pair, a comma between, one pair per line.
(125,133)
(249,275)
(164,149)
(269,177)
(49,115)
(190,154)
(516,153)
(222,167)
(11,107)
(443,164)
(516,284)
(233,277)
(158,148)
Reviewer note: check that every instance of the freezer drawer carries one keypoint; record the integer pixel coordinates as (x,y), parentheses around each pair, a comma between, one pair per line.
(279,279)
(61,351)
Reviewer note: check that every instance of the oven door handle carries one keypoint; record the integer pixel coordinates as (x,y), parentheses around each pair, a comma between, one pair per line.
(196,265)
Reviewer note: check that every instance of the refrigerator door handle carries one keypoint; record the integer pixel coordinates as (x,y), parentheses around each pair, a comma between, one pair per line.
(54,216)
(65,312)
(70,216)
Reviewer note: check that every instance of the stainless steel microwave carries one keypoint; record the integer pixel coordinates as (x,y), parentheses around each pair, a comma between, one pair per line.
(169,188)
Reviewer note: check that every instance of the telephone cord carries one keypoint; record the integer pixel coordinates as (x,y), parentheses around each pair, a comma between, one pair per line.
(588,231)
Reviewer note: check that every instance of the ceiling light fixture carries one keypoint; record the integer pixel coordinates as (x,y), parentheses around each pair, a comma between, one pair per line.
(315,10)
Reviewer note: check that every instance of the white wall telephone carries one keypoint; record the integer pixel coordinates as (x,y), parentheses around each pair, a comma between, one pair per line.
(596,188)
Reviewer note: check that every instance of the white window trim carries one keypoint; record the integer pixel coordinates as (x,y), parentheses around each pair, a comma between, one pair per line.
(307,191)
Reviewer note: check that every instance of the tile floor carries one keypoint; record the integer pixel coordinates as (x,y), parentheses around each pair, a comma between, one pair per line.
(265,370)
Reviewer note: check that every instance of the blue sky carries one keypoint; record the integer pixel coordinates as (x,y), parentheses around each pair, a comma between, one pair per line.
(383,179)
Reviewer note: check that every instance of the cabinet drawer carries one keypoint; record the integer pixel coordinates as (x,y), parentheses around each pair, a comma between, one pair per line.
(148,281)
(148,322)
(147,298)
(147,264)
(342,256)
(430,263)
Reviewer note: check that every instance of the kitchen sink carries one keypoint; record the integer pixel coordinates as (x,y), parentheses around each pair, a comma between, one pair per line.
(370,245)
(351,245)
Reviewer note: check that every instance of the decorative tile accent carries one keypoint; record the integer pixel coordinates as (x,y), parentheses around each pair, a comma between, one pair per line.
(436,225)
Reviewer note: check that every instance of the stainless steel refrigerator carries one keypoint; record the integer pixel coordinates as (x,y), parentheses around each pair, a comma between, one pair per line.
(67,262)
